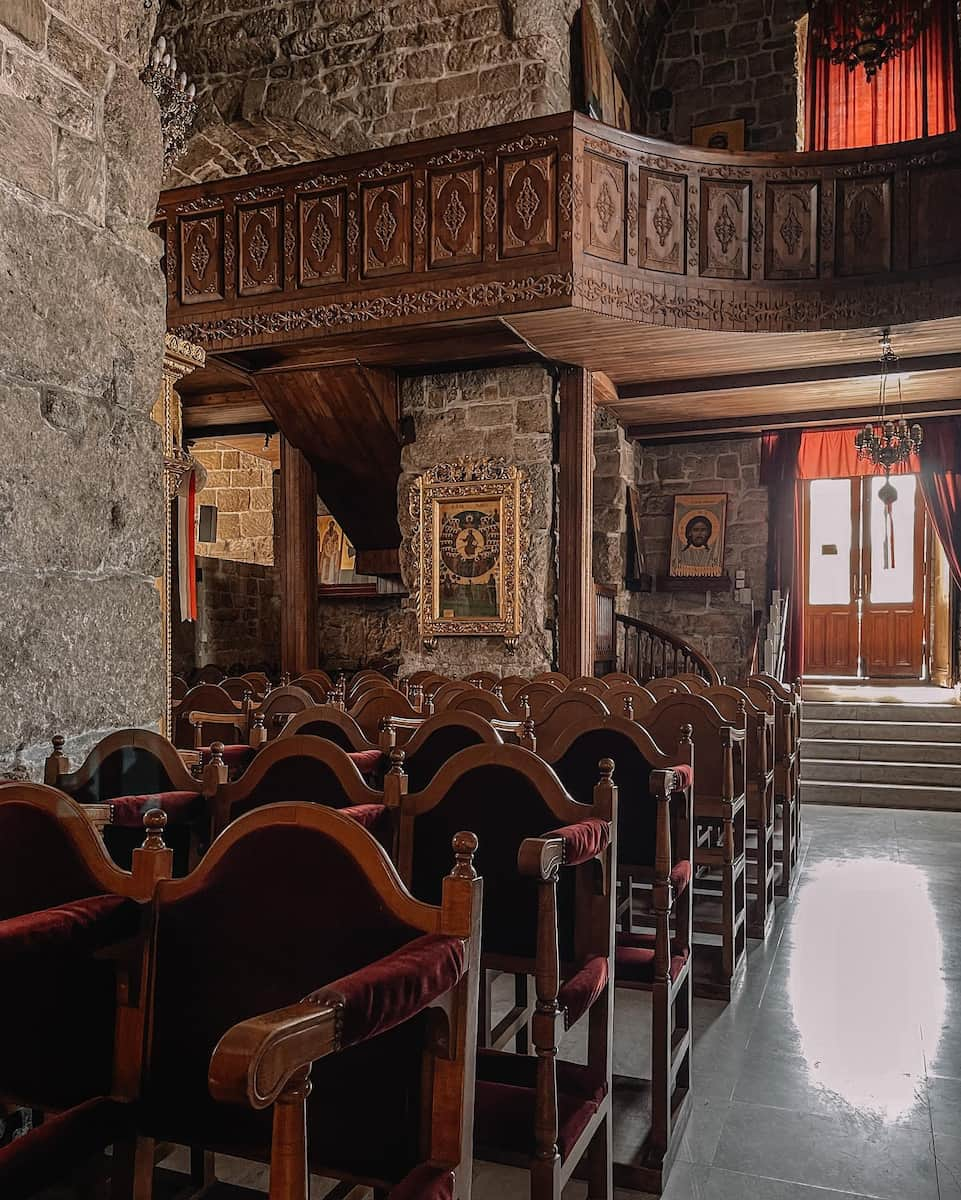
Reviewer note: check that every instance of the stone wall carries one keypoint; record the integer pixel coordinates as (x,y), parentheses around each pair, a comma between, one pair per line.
(509,413)
(614,469)
(714,623)
(350,74)
(81,344)
(726,60)
(240,486)
(354,634)
(238,619)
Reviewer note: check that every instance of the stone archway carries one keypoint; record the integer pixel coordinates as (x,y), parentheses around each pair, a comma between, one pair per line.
(219,149)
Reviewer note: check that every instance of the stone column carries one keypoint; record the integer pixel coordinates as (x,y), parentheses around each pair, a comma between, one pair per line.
(180,358)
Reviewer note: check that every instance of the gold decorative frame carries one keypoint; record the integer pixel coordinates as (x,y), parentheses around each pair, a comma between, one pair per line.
(484,481)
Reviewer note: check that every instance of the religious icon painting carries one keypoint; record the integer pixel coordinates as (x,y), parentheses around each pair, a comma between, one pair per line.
(329,540)
(466,543)
(697,541)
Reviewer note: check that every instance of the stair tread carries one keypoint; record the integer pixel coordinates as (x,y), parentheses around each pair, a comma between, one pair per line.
(894,787)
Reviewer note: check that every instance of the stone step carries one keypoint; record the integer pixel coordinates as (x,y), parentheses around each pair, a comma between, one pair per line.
(885,751)
(882,731)
(880,795)
(845,710)
(909,774)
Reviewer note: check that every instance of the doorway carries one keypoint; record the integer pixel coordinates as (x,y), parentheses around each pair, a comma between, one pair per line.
(864,593)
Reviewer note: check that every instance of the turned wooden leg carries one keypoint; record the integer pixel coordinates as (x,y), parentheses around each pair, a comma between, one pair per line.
(131,1177)
(600,1162)
(289,1179)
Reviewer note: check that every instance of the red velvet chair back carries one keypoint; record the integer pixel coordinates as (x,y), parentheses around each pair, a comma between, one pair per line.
(438,740)
(41,867)
(278,909)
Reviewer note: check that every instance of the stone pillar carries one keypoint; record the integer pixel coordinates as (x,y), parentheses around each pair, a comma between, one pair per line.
(180,358)
(298,561)
(575,652)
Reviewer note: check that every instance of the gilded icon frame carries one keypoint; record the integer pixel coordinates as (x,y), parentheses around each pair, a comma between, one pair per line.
(478,503)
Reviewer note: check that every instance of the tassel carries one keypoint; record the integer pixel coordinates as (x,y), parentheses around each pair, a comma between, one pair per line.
(887,494)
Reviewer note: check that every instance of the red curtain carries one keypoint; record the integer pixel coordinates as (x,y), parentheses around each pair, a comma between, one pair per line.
(940,480)
(779,471)
(832,454)
(914,95)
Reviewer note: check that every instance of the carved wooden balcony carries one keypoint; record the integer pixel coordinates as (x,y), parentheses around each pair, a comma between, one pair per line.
(557,226)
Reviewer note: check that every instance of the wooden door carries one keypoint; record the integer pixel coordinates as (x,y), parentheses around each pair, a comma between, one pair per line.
(831,517)
(892,619)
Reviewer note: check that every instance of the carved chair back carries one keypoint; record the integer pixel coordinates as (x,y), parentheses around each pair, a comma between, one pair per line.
(237,688)
(208,698)
(629,700)
(558,678)
(436,740)
(178,688)
(260,683)
(331,723)
(667,686)
(444,694)
(278,708)
(614,677)
(588,683)
(376,704)
(538,695)
(207,674)
(719,744)
(487,680)
(566,708)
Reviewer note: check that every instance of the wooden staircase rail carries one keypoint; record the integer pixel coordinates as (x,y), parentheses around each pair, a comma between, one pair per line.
(647,652)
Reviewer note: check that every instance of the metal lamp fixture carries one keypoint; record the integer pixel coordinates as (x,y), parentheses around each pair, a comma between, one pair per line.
(866,33)
(887,442)
(175,97)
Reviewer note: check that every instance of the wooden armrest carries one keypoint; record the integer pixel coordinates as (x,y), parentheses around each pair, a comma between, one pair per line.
(255,1059)
(195,717)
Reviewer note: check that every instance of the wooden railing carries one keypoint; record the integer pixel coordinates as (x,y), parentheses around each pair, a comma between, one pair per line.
(562,212)
(647,652)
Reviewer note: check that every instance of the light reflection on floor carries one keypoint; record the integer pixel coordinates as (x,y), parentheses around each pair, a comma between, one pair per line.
(864,978)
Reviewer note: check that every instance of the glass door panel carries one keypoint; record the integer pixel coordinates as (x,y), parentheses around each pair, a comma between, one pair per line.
(829,543)
(892,582)
(832,514)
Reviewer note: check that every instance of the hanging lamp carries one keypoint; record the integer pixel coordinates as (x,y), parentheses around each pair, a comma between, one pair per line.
(887,443)
(866,33)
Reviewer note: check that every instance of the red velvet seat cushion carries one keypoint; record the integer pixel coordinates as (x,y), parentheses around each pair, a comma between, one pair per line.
(47,1154)
(301,915)
(386,993)
(681,876)
(504,1102)
(128,771)
(368,762)
(683,776)
(425,1183)
(236,755)
(583,841)
(180,807)
(634,958)
(579,992)
(77,929)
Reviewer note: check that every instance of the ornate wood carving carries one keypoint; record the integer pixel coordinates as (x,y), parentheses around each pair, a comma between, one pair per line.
(664,211)
(792,230)
(725,229)
(387,238)
(605,235)
(201,257)
(528,205)
(455,216)
(322,222)
(935,205)
(864,218)
(259,232)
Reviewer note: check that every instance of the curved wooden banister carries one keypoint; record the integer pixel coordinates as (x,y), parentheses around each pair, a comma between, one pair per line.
(647,652)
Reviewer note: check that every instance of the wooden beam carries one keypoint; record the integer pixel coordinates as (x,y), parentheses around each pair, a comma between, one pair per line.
(298,561)
(576,524)
(694,430)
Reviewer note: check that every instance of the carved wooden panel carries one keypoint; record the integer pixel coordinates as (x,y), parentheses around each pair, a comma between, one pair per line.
(528,204)
(322,220)
(455,216)
(935,216)
(260,257)
(864,221)
(201,257)
(791,230)
(387,238)
(725,231)
(605,229)
(664,203)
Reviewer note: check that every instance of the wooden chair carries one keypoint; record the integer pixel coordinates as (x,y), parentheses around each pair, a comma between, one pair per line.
(128,773)
(73,1003)
(316,689)
(613,677)
(434,741)
(321,678)
(565,709)
(260,683)
(302,769)
(332,1018)
(178,688)
(374,706)
(536,696)
(735,705)
(487,680)
(654,863)
(226,714)
(238,689)
(446,693)
(787,768)
(277,709)
(558,678)
(510,686)
(720,834)
(693,682)
(549,911)
(666,686)
(331,723)
(629,700)
(588,683)
(208,674)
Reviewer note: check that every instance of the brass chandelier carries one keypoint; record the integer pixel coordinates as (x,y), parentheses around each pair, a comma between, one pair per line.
(886,442)
(866,33)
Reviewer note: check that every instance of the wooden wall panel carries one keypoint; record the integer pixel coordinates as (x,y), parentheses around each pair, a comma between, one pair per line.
(725,229)
(260,255)
(201,245)
(791,250)
(387,238)
(528,205)
(936,216)
(605,233)
(298,561)
(454,209)
(322,233)
(663,222)
(865,219)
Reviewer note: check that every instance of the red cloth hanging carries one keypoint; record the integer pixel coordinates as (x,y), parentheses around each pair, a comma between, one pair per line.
(914,95)
(940,482)
(832,454)
(187,548)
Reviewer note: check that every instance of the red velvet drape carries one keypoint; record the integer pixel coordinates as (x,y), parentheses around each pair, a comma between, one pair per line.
(940,480)
(914,95)
(832,454)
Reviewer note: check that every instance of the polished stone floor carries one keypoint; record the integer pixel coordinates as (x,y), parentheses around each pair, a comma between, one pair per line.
(835,1073)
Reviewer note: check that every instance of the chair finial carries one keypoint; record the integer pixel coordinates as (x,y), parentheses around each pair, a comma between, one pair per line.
(465,847)
(58,743)
(687,734)
(396,756)
(217,753)
(154,822)
(629,707)
(606,768)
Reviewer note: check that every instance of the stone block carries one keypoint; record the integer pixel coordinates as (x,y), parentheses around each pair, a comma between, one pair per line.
(31,168)
(26,18)
(256,524)
(228,527)
(233,500)
(31,80)
(231,460)
(484,415)
(77,56)
(132,139)
(261,500)
(728,466)
(80,176)
(247,477)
